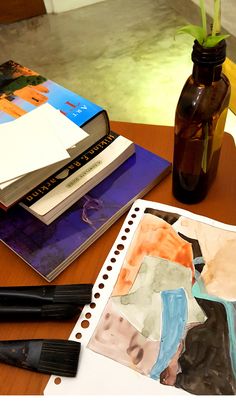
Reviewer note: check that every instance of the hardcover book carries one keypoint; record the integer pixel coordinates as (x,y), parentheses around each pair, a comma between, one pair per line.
(50,249)
(21,90)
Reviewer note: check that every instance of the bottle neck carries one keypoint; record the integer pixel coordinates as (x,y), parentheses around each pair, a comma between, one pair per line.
(206,74)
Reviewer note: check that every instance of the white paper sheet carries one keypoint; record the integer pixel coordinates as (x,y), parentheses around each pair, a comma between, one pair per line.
(67,131)
(98,374)
(230,125)
(35,140)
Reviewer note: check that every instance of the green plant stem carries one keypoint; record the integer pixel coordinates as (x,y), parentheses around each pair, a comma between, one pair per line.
(204,20)
(216,20)
(200,32)
(205,148)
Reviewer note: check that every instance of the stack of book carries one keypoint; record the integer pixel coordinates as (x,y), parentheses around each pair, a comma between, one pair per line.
(53,212)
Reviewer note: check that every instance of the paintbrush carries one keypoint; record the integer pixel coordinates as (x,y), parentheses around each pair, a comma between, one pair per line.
(42,312)
(78,294)
(56,356)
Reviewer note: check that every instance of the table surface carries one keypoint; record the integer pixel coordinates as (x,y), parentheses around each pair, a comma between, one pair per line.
(220,204)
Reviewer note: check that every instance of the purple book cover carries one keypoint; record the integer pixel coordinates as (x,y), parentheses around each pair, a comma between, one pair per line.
(49,249)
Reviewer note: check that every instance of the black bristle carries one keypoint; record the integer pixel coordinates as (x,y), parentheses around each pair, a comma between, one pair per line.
(59,357)
(60,311)
(44,312)
(79,294)
(56,356)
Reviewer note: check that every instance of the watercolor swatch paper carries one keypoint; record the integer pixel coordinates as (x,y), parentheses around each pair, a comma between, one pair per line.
(163,316)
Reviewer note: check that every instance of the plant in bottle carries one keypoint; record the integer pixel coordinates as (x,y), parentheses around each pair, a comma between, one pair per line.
(201,112)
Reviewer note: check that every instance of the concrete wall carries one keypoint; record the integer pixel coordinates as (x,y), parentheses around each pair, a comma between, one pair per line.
(228,13)
(57,6)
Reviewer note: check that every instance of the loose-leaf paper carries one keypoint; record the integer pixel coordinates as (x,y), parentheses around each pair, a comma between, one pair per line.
(35,140)
(147,333)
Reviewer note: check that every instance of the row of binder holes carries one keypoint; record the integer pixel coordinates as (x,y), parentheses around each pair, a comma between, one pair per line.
(78,336)
(85,323)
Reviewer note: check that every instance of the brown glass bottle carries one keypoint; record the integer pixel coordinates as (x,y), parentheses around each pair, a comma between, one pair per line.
(199,124)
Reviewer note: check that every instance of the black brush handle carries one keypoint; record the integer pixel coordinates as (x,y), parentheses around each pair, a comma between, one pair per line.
(45,312)
(79,294)
(21,353)
(37,294)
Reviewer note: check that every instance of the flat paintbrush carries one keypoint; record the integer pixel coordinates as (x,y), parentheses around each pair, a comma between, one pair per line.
(56,356)
(38,312)
(78,294)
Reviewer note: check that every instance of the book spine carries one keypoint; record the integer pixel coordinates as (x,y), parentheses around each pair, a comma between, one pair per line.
(68,170)
(65,194)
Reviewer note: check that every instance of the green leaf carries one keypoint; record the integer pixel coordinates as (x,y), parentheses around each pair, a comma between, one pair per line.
(213,40)
(200,32)
(194,30)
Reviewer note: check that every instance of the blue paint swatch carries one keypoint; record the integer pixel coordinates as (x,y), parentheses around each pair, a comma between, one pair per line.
(174,318)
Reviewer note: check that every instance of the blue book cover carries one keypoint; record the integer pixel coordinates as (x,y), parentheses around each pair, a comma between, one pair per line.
(22,89)
(49,249)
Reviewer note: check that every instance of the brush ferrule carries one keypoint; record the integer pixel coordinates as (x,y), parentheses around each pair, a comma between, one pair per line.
(37,294)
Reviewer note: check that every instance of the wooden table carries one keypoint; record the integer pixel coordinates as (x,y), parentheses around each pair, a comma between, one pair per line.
(219,204)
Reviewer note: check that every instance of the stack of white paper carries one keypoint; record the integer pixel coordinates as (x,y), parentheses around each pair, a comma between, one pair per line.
(35,140)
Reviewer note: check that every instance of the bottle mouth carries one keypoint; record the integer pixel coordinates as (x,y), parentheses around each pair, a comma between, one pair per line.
(211,56)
